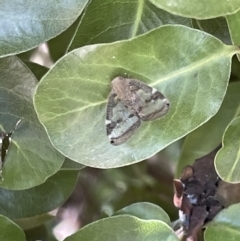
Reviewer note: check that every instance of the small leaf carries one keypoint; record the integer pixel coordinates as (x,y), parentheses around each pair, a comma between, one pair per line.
(199,9)
(207,137)
(225,226)
(71,99)
(145,210)
(27,24)
(10,231)
(124,227)
(31,159)
(40,199)
(229,155)
(109,21)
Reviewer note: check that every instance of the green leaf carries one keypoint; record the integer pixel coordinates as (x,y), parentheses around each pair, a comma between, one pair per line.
(207,137)
(235,73)
(39,233)
(180,62)
(145,210)
(217,27)
(109,20)
(225,226)
(27,24)
(71,165)
(234,25)
(38,70)
(199,9)
(31,158)
(229,155)
(58,46)
(32,222)
(40,199)
(124,227)
(10,231)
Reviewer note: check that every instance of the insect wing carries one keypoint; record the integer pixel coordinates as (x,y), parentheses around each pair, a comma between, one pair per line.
(121,121)
(150,104)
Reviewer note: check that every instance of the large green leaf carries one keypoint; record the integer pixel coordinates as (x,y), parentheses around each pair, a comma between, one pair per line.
(109,20)
(123,228)
(207,137)
(229,155)
(225,226)
(199,9)
(40,199)
(181,62)
(10,231)
(26,24)
(145,210)
(31,158)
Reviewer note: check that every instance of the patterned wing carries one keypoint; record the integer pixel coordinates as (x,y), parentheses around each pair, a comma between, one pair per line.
(121,121)
(149,103)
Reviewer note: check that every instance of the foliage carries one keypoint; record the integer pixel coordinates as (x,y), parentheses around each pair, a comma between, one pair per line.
(186,49)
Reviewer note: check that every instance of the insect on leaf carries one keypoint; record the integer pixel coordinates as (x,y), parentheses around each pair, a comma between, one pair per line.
(5,141)
(129,102)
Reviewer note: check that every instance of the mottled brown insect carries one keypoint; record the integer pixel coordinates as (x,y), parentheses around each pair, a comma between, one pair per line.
(129,102)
